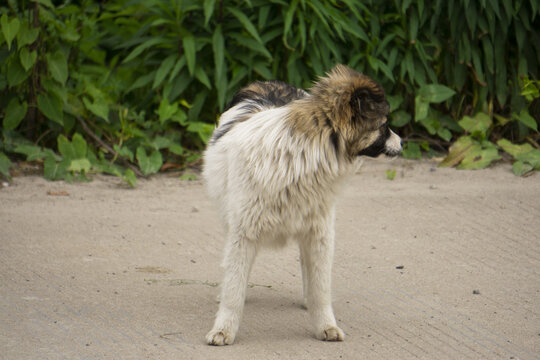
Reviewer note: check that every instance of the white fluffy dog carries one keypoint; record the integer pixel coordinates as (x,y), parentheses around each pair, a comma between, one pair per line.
(274,165)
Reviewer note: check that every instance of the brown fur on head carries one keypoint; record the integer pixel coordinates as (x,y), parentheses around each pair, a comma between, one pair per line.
(349,107)
(355,104)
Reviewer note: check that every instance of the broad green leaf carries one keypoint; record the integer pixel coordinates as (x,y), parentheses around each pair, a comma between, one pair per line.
(15,112)
(177,67)
(208,10)
(262,70)
(142,81)
(408,65)
(180,117)
(99,108)
(431,124)
(386,70)
(79,146)
(514,149)
(166,110)
(487,46)
(218,47)
(160,142)
(200,74)
(70,33)
(51,106)
(444,134)
(395,101)
(435,93)
(479,158)
(204,130)
(65,147)
(149,164)
(221,87)
(526,119)
(501,120)
(520,168)
(176,149)
(124,151)
(164,69)
(53,170)
(288,20)
(47,3)
(15,72)
(252,44)
(32,152)
(190,52)
(79,165)
(400,118)
(145,45)
(5,165)
(58,66)
(421,108)
(412,151)
(532,157)
(196,106)
(477,125)
(26,35)
(130,178)
(9,29)
(27,58)
(413,24)
(457,151)
(244,20)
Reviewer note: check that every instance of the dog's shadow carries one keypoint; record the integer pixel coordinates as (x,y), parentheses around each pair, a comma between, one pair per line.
(271,316)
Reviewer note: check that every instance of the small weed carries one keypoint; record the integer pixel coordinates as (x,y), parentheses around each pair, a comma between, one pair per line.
(188,177)
(391,174)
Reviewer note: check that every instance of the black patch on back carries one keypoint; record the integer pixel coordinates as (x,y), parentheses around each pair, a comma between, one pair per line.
(220,131)
(254,97)
(273,93)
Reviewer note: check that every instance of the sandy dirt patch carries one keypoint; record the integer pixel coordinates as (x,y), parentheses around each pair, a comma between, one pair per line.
(437,263)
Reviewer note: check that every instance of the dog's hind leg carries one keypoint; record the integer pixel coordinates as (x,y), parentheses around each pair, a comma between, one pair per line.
(239,256)
(316,254)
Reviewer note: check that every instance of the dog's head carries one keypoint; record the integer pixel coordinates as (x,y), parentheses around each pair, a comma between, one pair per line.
(357,110)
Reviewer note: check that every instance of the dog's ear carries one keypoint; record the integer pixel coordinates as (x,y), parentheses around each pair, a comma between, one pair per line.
(368,99)
(362,100)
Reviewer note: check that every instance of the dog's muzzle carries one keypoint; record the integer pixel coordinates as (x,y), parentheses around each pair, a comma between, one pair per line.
(393,145)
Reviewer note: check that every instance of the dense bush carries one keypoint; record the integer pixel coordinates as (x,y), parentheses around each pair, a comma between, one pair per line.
(132,87)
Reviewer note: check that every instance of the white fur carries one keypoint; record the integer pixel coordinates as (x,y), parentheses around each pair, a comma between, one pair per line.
(272,187)
(393,144)
(273,184)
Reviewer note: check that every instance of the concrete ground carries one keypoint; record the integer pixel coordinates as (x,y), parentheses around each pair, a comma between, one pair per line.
(435,264)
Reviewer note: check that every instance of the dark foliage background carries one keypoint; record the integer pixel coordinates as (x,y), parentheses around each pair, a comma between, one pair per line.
(134,87)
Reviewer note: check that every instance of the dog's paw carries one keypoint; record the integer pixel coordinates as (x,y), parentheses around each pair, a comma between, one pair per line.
(331,333)
(219,338)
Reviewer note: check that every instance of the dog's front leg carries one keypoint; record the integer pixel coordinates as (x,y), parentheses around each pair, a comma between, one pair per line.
(239,255)
(316,254)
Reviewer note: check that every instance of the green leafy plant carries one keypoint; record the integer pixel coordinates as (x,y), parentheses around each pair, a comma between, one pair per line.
(476,151)
(142,82)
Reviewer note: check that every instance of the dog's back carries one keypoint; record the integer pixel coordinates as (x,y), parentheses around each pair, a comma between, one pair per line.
(272,93)
(255,97)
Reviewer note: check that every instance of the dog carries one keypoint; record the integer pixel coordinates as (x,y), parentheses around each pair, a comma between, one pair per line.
(274,165)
